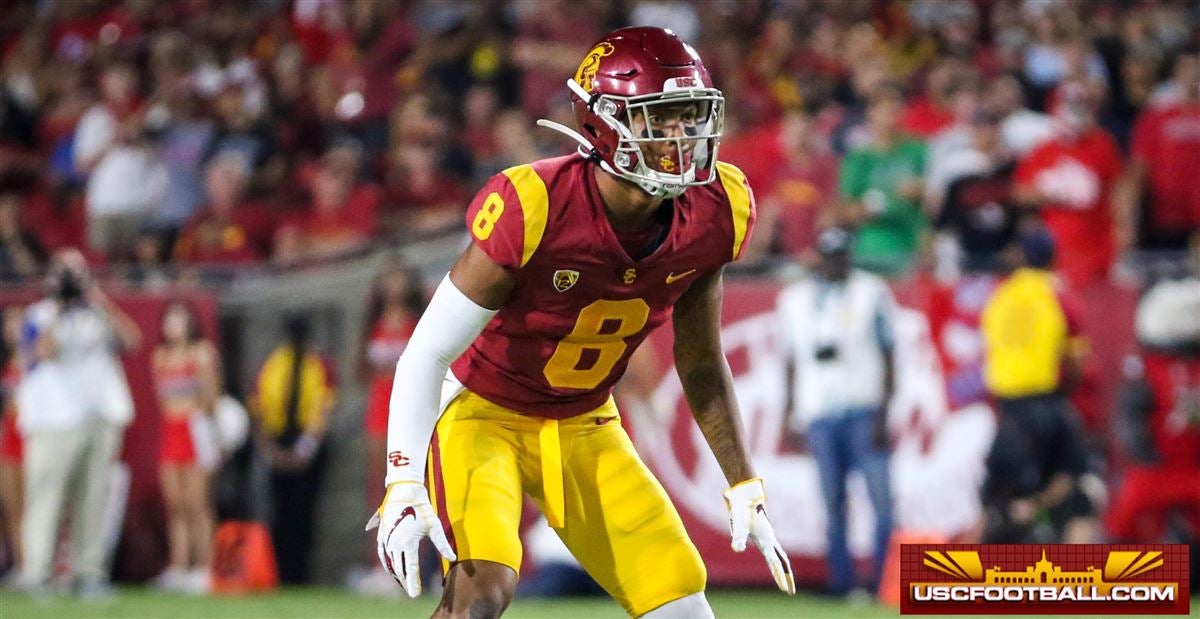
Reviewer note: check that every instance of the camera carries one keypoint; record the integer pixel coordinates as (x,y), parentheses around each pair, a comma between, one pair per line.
(826,352)
(69,286)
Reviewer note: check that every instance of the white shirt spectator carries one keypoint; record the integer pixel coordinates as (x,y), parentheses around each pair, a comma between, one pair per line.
(837,333)
(127,179)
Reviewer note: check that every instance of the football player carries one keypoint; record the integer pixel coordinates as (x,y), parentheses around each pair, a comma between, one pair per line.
(505,387)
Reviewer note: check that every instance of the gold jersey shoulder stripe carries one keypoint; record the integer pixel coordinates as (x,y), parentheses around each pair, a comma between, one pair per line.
(734,182)
(535,203)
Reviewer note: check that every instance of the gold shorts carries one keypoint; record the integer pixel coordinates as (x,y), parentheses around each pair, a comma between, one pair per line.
(586,477)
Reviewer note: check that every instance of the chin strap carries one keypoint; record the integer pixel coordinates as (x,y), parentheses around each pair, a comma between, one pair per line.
(586,147)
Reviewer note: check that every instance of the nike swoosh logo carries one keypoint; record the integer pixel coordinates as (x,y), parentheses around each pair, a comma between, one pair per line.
(603,420)
(672,278)
(405,513)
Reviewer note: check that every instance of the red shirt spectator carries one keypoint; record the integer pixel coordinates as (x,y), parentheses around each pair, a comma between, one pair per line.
(213,237)
(1166,143)
(795,179)
(342,215)
(419,195)
(228,230)
(1071,177)
(923,118)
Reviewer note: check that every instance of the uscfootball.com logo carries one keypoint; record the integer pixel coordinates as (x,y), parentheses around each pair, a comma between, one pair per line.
(1133,580)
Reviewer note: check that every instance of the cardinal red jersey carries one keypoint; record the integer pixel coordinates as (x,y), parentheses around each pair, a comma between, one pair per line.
(1175,422)
(580,304)
(1081,175)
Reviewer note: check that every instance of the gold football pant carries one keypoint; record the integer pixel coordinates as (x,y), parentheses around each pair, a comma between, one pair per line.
(584,474)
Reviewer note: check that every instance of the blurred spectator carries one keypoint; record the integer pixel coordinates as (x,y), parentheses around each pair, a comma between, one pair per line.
(186,375)
(1166,157)
(228,229)
(12,482)
(420,196)
(947,146)
(182,135)
(126,180)
(927,115)
(481,106)
(979,209)
(1070,179)
(73,406)
(675,15)
(552,35)
(1022,128)
(1034,347)
(21,255)
(1181,87)
(1060,51)
(147,270)
(293,396)
(1159,427)
(884,183)
(796,185)
(838,330)
(341,216)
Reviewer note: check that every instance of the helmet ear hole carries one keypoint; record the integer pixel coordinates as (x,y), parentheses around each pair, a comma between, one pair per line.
(591,131)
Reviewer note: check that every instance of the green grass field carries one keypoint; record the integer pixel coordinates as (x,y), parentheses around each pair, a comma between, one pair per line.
(331,603)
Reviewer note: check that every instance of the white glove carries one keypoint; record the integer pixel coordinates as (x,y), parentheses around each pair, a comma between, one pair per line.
(748,519)
(404,518)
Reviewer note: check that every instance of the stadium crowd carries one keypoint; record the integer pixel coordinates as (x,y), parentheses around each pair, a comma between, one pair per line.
(182,140)
(219,133)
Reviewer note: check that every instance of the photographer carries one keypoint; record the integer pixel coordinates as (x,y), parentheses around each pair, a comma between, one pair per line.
(74,404)
(837,328)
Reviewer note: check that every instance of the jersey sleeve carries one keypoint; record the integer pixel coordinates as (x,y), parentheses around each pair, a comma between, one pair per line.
(507,218)
(741,205)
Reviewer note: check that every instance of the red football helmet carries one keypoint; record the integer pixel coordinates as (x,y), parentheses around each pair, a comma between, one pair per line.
(647,111)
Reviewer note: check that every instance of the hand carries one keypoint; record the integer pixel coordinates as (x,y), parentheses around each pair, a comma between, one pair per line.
(306,448)
(1022,511)
(406,517)
(911,189)
(748,519)
(880,438)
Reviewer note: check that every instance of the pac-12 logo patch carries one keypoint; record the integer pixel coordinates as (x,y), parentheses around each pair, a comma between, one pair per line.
(591,64)
(564,279)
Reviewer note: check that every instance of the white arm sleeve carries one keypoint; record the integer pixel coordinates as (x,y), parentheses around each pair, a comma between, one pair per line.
(449,325)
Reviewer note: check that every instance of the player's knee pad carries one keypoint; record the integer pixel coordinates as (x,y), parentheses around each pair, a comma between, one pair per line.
(694,606)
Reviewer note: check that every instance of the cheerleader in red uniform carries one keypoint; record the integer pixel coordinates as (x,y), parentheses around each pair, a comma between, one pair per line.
(186,379)
(395,303)
(11,479)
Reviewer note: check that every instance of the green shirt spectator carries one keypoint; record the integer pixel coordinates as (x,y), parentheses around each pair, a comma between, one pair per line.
(886,180)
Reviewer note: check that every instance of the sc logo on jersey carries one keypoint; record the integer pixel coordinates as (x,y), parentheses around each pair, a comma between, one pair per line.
(564,279)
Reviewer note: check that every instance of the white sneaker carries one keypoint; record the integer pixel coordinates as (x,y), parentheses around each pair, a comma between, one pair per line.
(197,582)
(170,580)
